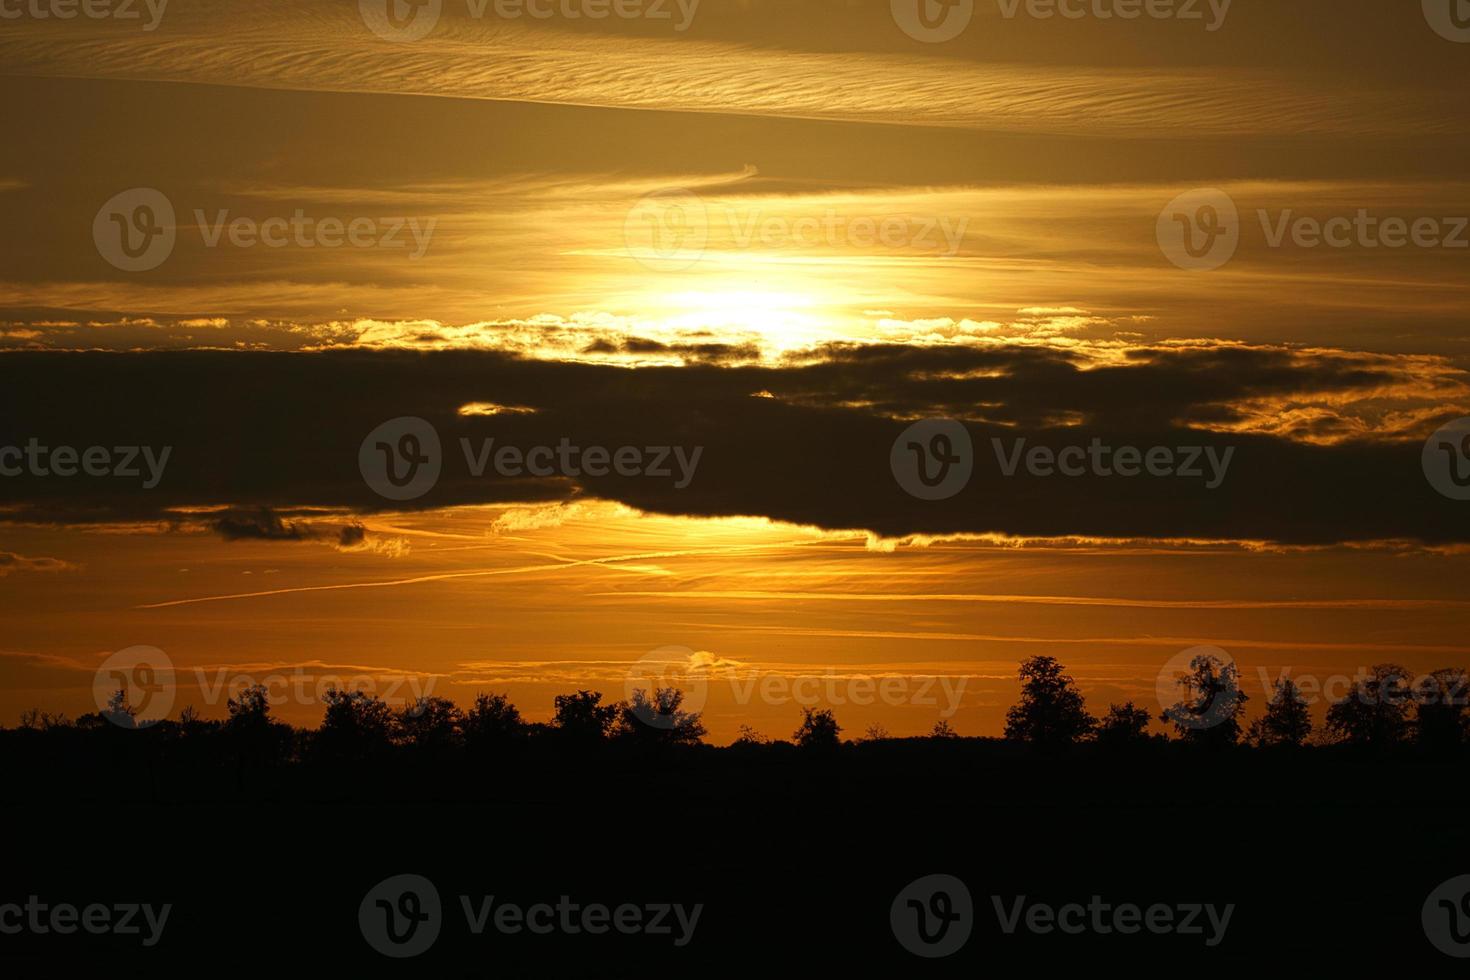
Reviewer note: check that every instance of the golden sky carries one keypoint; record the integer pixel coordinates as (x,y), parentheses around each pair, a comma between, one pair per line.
(781,231)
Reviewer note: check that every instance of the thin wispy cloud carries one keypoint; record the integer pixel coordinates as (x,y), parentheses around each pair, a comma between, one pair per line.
(312,45)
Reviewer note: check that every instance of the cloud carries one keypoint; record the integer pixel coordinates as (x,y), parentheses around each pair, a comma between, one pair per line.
(815,453)
(355,538)
(314,45)
(261,525)
(11,562)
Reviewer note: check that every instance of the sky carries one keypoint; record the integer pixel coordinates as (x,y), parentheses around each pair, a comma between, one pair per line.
(280,251)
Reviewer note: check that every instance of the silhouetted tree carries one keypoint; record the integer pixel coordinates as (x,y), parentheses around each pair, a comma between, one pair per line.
(1051,711)
(748,736)
(118,711)
(493,722)
(251,708)
(356,725)
(943,729)
(251,734)
(1287,721)
(660,719)
(429,724)
(36,720)
(583,717)
(1213,703)
(1124,725)
(1442,723)
(819,730)
(1375,713)
(875,733)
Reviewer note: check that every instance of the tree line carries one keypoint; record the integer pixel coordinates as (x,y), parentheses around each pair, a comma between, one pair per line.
(1385,708)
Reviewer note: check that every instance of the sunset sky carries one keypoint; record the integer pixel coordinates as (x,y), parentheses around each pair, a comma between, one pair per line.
(780,231)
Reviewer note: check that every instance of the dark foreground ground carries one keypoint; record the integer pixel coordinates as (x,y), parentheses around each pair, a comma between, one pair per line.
(1328,859)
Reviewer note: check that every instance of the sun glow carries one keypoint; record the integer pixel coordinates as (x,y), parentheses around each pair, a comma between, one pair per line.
(782,320)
